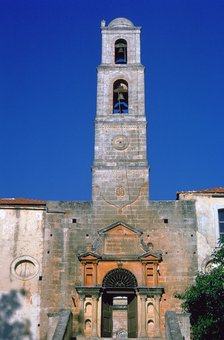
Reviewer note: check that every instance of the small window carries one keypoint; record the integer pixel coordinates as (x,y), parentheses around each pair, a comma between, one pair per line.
(120,96)
(120,51)
(221,223)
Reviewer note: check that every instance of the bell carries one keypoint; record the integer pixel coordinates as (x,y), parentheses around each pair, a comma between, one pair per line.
(120,96)
(121,50)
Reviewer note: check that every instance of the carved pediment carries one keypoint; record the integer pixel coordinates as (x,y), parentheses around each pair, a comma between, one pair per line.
(120,228)
(119,241)
(151,256)
(89,256)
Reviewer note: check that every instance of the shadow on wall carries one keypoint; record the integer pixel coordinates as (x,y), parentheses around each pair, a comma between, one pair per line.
(10,328)
(79,323)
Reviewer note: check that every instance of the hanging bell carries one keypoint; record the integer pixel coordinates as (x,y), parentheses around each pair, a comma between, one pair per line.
(120,96)
(121,50)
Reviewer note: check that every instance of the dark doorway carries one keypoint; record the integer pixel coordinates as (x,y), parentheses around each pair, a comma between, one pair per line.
(113,314)
(119,304)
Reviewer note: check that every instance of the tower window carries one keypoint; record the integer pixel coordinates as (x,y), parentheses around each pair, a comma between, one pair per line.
(221,223)
(120,96)
(120,51)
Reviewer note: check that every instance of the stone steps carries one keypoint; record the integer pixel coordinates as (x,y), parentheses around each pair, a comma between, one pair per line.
(96,338)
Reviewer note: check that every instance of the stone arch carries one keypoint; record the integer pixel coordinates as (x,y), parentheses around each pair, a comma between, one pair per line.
(120,53)
(120,96)
(119,278)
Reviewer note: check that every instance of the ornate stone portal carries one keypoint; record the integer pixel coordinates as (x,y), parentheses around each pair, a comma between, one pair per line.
(120,292)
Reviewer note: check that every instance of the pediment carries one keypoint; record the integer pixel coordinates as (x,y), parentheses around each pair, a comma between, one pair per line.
(89,256)
(151,256)
(120,228)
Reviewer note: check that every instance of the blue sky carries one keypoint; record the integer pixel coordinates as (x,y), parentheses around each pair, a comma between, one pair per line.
(49,53)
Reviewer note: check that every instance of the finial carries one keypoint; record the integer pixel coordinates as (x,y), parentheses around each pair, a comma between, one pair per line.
(103,23)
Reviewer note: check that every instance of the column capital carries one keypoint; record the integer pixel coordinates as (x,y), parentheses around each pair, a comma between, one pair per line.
(93,291)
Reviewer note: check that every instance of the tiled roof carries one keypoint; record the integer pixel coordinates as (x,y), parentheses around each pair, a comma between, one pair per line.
(21,201)
(212,190)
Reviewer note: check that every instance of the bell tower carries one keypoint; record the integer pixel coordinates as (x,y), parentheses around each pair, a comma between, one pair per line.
(120,169)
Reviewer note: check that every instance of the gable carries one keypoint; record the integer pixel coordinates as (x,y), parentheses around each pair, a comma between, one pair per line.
(120,228)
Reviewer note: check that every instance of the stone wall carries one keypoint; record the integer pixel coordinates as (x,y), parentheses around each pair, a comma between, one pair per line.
(207,205)
(67,232)
(169,226)
(21,243)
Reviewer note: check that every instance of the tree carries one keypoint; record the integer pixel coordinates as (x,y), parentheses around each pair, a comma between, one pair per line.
(9,327)
(205,300)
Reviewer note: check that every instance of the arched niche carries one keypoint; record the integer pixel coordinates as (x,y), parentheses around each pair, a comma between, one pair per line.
(150,308)
(88,327)
(150,327)
(88,308)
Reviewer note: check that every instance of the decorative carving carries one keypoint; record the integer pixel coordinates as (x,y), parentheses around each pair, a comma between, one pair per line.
(119,278)
(121,204)
(120,192)
(120,142)
(146,246)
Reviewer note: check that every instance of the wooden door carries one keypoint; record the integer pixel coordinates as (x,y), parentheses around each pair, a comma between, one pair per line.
(132,316)
(107,309)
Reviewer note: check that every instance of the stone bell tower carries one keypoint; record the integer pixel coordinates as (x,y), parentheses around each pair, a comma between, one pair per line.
(120,169)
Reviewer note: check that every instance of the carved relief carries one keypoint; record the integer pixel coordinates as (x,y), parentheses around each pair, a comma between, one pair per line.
(120,142)
(126,201)
(120,192)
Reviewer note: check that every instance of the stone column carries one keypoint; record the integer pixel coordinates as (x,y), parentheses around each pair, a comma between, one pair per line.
(94,315)
(83,273)
(157,315)
(155,274)
(94,274)
(144,280)
(99,315)
(143,316)
(82,298)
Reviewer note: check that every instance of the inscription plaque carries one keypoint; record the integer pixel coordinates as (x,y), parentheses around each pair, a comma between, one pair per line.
(117,245)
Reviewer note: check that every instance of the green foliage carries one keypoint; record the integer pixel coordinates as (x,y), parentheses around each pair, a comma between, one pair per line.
(10,328)
(205,300)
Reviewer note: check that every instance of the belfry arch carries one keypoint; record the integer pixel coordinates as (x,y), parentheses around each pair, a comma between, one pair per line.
(120,96)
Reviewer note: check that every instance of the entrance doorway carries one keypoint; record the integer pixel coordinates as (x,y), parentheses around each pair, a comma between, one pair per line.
(119,305)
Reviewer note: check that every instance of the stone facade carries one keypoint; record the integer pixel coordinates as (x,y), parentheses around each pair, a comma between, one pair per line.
(207,204)
(115,262)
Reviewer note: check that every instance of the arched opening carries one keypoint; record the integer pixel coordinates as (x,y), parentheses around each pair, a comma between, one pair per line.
(120,51)
(119,304)
(120,96)
(150,328)
(88,308)
(88,327)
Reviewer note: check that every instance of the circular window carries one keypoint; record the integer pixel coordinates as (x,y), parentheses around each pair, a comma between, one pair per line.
(120,142)
(24,267)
